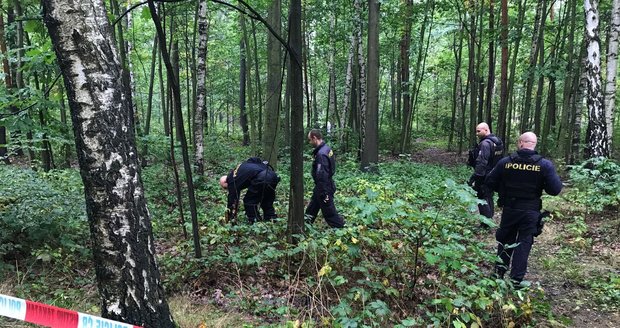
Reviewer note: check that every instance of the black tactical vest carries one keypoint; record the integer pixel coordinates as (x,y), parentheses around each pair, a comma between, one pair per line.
(522,178)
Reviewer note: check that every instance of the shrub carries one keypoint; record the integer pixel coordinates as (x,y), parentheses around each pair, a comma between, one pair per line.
(598,182)
(41,212)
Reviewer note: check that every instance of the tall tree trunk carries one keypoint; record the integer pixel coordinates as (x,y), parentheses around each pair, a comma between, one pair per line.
(361,113)
(201,89)
(243,116)
(457,49)
(259,88)
(568,93)
(251,110)
(421,61)
(332,99)
(503,97)
(296,196)
(174,81)
(405,44)
(149,102)
(274,88)
(4,156)
(348,89)
(612,68)
(370,149)
(529,84)
(513,68)
(541,75)
(123,246)
(472,78)
(597,130)
(491,75)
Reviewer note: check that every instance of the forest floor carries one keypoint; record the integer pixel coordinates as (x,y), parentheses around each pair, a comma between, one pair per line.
(563,266)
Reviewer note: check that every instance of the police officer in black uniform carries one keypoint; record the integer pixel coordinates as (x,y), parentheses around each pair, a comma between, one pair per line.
(323,169)
(486,149)
(260,180)
(520,180)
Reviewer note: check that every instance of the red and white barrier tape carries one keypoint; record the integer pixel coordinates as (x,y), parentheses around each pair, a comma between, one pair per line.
(52,316)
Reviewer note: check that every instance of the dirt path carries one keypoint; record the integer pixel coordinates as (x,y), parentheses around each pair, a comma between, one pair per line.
(567,267)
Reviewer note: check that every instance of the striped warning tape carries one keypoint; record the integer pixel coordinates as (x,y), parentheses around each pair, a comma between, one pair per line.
(52,316)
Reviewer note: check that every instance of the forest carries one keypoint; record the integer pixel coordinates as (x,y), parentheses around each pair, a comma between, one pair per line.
(117,118)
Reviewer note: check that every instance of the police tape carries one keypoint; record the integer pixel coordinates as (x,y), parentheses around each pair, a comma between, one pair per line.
(52,316)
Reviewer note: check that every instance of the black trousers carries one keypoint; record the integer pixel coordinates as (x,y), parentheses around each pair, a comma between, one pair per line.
(260,195)
(328,209)
(517,227)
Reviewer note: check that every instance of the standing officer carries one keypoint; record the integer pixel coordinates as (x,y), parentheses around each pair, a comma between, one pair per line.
(484,159)
(323,169)
(260,180)
(520,180)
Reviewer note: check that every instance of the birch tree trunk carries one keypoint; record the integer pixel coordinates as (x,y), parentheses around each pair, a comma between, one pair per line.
(612,67)
(597,130)
(201,89)
(123,247)
(7,80)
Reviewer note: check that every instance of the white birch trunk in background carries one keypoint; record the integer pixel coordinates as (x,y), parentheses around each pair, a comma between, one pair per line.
(612,68)
(201,89)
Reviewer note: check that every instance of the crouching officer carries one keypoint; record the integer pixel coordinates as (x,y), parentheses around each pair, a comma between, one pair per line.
(260,180)
(520,180)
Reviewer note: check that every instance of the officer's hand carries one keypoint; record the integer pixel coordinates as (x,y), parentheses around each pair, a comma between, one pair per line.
(326,199)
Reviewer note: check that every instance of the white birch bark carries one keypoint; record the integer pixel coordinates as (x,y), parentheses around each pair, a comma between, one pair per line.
(612,68)
(123,248)
(597,136)
(201,89)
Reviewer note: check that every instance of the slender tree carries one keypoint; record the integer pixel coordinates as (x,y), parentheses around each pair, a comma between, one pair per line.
(201,89)
(122,240)
(274,88)
(612,68)
(296,196)
(178,115)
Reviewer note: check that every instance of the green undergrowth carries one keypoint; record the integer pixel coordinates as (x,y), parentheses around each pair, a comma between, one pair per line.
(410,255)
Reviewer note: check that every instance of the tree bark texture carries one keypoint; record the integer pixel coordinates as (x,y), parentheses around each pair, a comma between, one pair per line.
(370,149)
(597,130)
(274,88)
(296,197)
(123,246)
(612,69)
(201,89)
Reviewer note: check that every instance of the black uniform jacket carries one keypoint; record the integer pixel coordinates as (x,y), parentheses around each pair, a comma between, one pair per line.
(323,169)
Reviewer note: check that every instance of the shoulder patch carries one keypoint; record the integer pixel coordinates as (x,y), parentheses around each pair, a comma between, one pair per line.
(331,153)
(235,171)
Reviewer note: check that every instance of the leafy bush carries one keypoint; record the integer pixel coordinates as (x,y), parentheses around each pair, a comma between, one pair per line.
(598,183)
(40,213)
